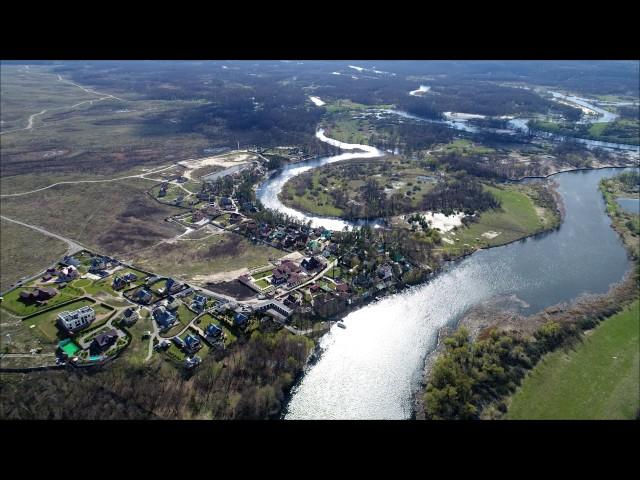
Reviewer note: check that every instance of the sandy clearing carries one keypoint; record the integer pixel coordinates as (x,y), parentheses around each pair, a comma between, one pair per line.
(317,101)
(226,160)
(491,234)
(442,222)
(233,274)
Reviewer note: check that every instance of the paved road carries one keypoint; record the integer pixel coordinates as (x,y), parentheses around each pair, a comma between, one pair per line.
(73,245)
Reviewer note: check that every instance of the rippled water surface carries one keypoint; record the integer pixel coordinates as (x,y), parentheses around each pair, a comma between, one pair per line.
(371,369)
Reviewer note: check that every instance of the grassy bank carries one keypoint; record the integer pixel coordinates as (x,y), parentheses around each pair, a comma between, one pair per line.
(519,216)
(599,379)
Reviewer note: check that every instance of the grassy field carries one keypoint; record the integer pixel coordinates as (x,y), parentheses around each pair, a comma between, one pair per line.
(466,147)
(218,253)
(599,379)
(45,323)
(15,305)
(517,218)
(24,252)
(207,319)
(112,217)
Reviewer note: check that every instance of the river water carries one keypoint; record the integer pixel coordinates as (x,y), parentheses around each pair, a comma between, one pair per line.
(371,369)
(268,191)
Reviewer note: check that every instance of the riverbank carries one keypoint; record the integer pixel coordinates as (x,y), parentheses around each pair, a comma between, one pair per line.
(501,316)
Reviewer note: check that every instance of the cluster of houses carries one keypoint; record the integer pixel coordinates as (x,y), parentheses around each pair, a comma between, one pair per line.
(100,264)
(64,274)
(292,274)
(291,237)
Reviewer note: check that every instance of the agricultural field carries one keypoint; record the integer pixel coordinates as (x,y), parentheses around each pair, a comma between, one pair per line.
(188,260)
(598,379)
(24,252)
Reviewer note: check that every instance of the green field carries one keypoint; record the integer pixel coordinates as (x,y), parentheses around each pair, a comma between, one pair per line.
(516,218)
(466,147)
(14,305)
(207,319)
(262,283)
(599,379)
(258,276)
(45,323)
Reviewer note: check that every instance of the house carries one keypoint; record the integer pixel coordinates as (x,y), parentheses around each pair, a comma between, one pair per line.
(199,303)
(98,263)
(118,283)
(296,279)
(103,341)
(191,362)
(130,277)
(278,277)
(226,203)
(343,288)
(164,318)
(66,274)
(178,342)
(130,316)
(46,277)
(192,343)
(172,286)
(164,344)
(240,319)
(142,296)
(385,272)
(172,303)
(197,216)
(275,305)
(291,301)
(310,264)
(77,319)
(38,294)
(213,331)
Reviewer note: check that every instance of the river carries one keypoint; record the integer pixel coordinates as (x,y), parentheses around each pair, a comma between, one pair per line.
(371,369)
(268,191)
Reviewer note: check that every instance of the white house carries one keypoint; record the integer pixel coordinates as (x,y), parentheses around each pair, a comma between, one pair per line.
(77,319)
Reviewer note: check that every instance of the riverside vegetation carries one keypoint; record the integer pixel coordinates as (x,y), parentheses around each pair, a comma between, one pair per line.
(473,379)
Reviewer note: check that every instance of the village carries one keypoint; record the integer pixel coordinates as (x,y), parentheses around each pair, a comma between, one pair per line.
(87,303)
